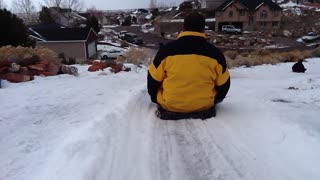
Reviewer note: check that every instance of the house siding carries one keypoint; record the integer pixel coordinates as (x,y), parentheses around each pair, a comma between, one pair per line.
(271,21)
(91,39)
(241,21)
(271,17)
(211,4)
(70,49)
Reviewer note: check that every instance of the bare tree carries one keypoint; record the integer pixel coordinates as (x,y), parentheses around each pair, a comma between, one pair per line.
(75,5)
(96,13)
(153,4)
(53,3)
(2,5)
(25,9)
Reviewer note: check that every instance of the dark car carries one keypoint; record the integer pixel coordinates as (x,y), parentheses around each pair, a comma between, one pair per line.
(133,38)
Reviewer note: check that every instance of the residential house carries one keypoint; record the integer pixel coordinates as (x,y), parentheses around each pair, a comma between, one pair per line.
(190,4)
(109,20)
(67,17)
(142,16)
(211,4)
(249,14)
(79,43)
(176,25)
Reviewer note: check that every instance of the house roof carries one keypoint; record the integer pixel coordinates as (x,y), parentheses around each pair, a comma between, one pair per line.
(56,33)
(251,5)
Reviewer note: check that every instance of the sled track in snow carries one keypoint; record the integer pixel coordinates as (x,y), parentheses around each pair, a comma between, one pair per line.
(142,147)
(157,149)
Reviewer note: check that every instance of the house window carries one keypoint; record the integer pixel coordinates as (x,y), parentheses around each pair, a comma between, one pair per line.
(250,20)
(230,13)
(276,13)
(263,14)
(242,12)
(263,24)
(218,14)
(275,24)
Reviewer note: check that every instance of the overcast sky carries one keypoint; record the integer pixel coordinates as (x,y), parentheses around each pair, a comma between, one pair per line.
(112,4)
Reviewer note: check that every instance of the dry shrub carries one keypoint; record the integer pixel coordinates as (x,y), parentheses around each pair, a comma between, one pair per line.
(277,57)
(138,56)
(245,61)
(307,54)
(315,52)
(229,61)
(231,54)
(241,61)
(256,58)
(268,59)
(261,52)
(245,54)
(21,53)
(292,56)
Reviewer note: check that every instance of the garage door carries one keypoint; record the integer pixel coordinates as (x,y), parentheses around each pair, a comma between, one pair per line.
(92,49)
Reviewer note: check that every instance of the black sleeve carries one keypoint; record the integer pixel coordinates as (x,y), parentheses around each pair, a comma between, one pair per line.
(222,92)
(153,87)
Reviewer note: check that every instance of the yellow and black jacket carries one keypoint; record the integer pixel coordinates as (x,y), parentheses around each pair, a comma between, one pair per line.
(188,74)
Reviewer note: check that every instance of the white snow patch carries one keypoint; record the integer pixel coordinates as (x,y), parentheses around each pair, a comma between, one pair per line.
(102,125)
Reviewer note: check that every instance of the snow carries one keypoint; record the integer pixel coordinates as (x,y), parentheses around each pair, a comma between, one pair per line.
(291,4)
(102,125)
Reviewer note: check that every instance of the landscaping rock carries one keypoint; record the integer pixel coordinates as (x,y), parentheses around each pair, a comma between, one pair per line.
(96,66)
(4,70)
(4,63)
(44,62)
(287,33)
(13,77)
(30,61)
(115,68)
(72,70)
(14,68)
(53,69)
(38,67)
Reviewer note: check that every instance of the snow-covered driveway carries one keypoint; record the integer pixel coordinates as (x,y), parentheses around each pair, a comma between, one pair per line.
(101,126)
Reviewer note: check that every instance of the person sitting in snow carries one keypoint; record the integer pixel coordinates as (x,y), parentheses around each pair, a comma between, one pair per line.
(188,76)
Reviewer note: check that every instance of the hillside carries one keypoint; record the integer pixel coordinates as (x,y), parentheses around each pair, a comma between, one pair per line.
(102,125)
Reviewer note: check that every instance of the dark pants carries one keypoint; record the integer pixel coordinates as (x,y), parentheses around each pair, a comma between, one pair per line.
(169,115)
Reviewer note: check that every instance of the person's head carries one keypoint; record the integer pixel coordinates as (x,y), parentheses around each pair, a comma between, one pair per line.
(194,22)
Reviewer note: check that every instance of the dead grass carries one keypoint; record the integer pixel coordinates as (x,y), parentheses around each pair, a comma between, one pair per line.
(138,56)
(261,52)
(231,54)
(21,53)
(315,52)
(292,56)
(261,56)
